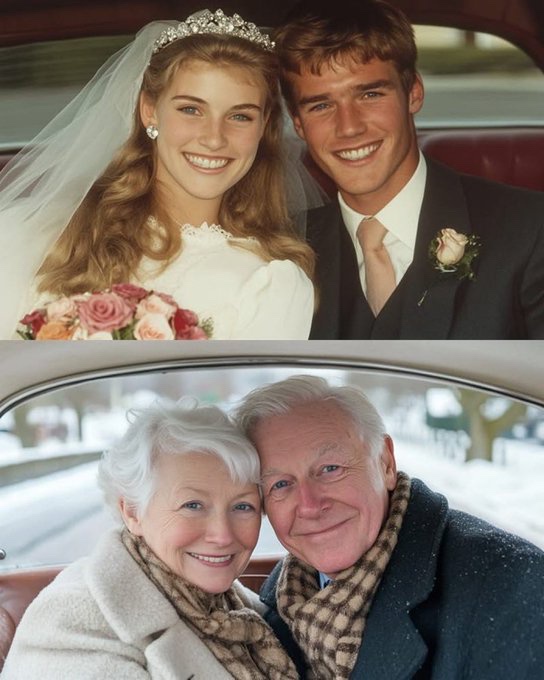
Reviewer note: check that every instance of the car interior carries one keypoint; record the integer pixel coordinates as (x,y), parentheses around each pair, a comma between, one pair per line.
(31,370)
(511,154)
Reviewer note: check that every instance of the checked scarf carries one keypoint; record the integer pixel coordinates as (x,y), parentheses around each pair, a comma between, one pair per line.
(328,624)
(238,637)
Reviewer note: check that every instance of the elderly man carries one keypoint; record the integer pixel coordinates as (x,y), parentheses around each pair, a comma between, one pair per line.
(382,580)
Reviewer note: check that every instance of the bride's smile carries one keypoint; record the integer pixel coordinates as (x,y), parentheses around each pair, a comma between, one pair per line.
(210,121)
(205,163)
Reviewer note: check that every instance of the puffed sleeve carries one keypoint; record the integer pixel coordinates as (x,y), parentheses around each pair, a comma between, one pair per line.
(276,303)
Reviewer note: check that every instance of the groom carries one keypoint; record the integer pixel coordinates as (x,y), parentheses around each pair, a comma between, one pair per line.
(410,248)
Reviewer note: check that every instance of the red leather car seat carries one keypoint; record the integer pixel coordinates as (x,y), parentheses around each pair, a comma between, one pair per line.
(512,156)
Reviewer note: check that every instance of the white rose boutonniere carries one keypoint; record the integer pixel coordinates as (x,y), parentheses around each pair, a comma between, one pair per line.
(452,252)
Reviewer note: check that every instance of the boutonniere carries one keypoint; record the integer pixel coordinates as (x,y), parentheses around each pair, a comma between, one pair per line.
(452,252)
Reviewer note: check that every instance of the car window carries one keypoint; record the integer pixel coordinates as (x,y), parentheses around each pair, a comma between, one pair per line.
(484,451)
(470,79)
(38,80)
(474,79)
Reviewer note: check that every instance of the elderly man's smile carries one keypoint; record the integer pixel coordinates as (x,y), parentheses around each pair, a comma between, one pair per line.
(325,532)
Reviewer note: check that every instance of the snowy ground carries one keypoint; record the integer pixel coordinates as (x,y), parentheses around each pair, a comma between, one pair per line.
(507,493)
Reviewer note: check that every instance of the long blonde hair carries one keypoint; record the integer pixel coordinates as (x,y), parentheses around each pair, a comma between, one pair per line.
(109,233)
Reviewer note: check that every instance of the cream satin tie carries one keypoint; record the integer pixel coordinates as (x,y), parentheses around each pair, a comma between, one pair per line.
(379,272)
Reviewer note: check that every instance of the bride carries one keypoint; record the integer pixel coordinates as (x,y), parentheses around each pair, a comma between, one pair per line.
(167,171)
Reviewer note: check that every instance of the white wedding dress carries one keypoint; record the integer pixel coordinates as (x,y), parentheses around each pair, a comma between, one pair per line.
(245,297)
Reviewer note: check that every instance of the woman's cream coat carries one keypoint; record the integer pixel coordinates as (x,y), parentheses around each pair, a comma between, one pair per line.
(103,618)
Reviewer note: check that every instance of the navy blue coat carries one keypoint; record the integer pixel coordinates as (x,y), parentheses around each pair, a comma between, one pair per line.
(459,600)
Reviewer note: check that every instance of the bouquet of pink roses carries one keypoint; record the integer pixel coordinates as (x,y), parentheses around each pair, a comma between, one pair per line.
(124,312)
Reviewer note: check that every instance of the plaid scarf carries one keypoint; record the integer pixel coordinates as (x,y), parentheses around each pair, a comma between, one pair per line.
(238,637)
(328,624)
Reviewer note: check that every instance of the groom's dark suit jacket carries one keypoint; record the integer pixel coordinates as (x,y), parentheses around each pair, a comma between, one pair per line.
(504,300)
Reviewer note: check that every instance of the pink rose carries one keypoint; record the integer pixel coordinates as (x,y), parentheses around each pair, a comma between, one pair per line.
(451,247)
(64,310)
(155,304)
(104,312)
(129,291)
(153,327)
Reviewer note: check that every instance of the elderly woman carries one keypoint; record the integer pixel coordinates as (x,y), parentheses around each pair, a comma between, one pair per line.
(157,598)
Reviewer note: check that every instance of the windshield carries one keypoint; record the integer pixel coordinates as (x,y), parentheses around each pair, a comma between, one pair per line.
(483,451)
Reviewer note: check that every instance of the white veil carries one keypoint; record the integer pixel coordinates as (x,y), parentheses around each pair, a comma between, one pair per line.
(303,192)
(41,188)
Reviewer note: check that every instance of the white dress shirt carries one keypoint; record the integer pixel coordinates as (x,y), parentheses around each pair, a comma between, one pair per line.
(324,580)
(400,217)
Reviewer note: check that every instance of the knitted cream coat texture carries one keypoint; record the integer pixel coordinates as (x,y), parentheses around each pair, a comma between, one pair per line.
(103,618)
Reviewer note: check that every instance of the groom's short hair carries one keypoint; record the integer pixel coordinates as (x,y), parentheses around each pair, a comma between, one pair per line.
(318,33)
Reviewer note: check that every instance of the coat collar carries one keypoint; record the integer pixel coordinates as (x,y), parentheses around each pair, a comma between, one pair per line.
(180,656)
(146,620)
(428,301)
(113,577)
(392,647)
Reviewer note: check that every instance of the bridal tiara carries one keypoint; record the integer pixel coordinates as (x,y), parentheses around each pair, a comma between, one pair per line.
(213,22)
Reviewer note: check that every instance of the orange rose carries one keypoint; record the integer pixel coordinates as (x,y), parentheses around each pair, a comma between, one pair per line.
(55,330)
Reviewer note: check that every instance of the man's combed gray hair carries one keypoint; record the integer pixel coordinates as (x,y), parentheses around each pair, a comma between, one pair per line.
(284,396)
(127,469)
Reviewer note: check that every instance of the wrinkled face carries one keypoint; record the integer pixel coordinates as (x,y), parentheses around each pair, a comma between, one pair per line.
(357,121)
(199,522)
(326,497)
(210,121)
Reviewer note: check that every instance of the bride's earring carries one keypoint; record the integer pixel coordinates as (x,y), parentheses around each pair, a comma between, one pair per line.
(152,132)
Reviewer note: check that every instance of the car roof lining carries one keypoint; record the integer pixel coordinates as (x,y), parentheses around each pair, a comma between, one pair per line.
(513,368)
(24,21)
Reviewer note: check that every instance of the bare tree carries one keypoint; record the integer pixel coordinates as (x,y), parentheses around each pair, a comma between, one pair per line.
(484,430)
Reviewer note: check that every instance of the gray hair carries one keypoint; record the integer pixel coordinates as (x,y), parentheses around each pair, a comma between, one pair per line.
(284,396)
(126,470)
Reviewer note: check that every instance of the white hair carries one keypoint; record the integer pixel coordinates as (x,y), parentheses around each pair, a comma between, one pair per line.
(284,396)
(127,469)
